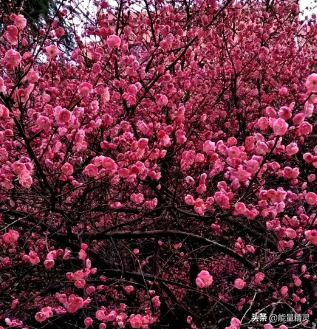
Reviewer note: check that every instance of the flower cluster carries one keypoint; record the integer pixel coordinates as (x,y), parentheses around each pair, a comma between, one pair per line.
(159,166)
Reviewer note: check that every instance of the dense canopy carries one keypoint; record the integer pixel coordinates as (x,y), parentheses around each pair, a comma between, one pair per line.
(161,174)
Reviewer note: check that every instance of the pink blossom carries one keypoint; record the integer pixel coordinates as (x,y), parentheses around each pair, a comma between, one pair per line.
(19,168)
(80,284)
(59,32)
(84,89)
(82,254)
(189,200)
(113,41)
(239,284)
(297,281)
(11,237)
(233,152)
(239,208)
(232,141)
(62,116)
(249,143)
(250,248)
(305,128)
(311,82)
(151,204)
(204,279)
(308,110)
(156,301)
(62,298)
(290,173)
(109,165)
(290,233)
(311,236)
(3,88)
(142,143)
(199,157)
(283,92)
(308,157)
(33,258)
(263,123)
(67,169)
(43,122)
(199,206)
(129,289)
(66,254)
(284,291)
(270,112)
(161,100)
(48,311)
(49,263)
(40,317)
(285,113)
(259,277)
(137,198)
(311,198)
(112,316)
(222,200)
(209,147)
(91,170)
(291,149)
(235,322)
(51,51)
(12,34)
(32,77)
(252,166)
(100,315)
(13,322)
(74,303)
(298,118)
(136,320)
(20,22)
(190,180)
(280,127)
(88,322)
(12,59)
(261,148)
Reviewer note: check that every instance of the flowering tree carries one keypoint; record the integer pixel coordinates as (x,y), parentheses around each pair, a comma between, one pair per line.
(37,12)
(164,175)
